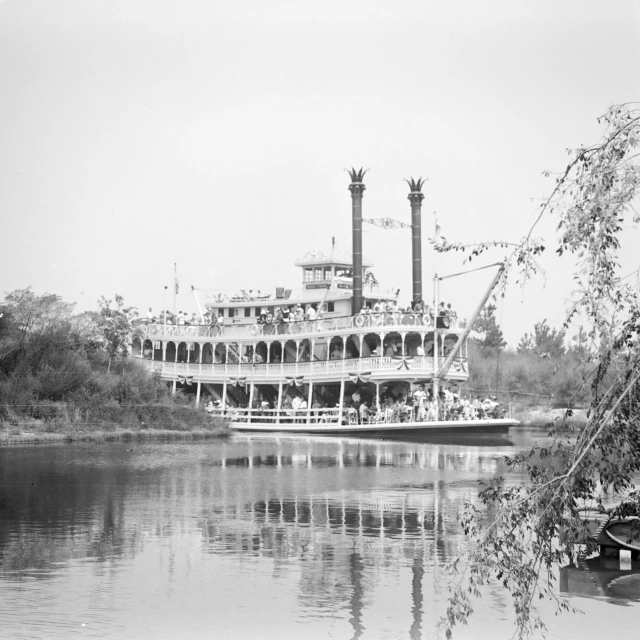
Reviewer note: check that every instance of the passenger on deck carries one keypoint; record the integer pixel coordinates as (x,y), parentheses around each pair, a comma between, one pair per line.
(432,410)
(419,403)
(150,316)
(311,313)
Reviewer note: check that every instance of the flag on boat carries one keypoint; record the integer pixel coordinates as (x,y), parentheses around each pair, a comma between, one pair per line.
(238,382)
(402,361)
(386,223)
(185,379)
(360,377)
(438,231)
(294,381)
(176,284)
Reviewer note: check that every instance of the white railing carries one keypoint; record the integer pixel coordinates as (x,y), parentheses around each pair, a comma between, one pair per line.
(409,366)
(348,416)
(367,323)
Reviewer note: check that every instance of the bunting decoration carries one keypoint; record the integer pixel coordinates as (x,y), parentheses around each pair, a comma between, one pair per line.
(185,380)
(360,377)
(294,381)
(459,365)
(238,382)
(403,361)
(386,223)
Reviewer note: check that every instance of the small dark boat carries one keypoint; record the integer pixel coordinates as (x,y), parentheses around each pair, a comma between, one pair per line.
(625,532)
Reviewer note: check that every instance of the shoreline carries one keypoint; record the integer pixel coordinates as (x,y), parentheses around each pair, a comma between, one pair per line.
(26,434)
(118,434)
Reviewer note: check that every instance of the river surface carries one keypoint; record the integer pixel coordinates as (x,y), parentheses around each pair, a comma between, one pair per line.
(262,537)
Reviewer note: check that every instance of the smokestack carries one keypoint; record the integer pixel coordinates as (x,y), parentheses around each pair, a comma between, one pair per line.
(415,198)
(357,189)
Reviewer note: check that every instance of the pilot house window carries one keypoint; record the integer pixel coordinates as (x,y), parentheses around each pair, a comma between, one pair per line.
(308,275)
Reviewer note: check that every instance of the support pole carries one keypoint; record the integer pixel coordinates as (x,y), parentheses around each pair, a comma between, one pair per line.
(251,392)
(309,400)
(224,396)
(198,393)
(436,301)
(279,402)
(341,403)
(463,336)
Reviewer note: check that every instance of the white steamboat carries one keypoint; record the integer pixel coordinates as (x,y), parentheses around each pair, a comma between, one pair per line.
(335,356)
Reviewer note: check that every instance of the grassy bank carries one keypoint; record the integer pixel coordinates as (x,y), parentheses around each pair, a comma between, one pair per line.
(543,416)
(29,435)
(108,422)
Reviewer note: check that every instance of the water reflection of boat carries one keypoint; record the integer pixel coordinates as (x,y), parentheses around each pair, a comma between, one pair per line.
(602,577)
(463,439)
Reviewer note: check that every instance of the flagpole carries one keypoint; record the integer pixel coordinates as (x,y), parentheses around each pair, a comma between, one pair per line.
(175,286)
(165,306)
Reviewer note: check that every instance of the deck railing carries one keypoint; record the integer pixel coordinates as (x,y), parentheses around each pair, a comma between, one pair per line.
(372,322)
(416,365)
(320,416)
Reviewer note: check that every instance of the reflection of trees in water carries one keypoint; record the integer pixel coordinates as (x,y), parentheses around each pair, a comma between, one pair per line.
(52,512)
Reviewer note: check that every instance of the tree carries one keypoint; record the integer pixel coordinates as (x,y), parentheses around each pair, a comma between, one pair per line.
(526,344)
(32,327)
(487,327)
(525,531)
(544,342)
(116,324)
(579,346)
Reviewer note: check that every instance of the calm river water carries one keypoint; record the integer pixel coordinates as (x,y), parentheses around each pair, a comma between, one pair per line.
(261,537)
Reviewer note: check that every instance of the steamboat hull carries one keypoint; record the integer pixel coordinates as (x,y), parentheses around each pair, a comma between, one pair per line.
(498,425)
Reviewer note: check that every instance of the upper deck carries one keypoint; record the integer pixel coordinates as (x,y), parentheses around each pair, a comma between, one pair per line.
(360,324)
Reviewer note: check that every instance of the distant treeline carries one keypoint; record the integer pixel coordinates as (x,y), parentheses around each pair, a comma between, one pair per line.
(60,370)
(545,367)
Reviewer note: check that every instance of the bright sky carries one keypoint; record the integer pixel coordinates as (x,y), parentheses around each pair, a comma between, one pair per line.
(214,134)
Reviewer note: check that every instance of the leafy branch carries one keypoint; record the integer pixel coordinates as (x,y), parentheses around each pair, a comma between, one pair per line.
(522,533)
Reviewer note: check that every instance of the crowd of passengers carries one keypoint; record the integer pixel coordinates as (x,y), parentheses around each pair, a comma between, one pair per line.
(358,409)
(297,313)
